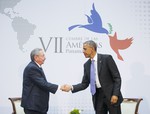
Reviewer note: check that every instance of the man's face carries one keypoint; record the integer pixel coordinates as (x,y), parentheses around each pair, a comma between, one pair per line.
(40,58)
(87,50)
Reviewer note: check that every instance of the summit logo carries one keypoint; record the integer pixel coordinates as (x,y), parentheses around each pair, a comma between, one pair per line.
(95,25)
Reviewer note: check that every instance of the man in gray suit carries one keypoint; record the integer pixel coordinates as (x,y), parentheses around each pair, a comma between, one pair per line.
(35,93)
(106,93)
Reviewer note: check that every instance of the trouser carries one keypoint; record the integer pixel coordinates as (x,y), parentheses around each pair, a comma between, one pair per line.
(27,111)
(103,105)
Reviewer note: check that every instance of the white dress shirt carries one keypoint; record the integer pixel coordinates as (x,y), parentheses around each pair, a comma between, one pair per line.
(98,85)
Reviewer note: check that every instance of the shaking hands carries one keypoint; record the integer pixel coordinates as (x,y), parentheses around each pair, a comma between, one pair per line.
(66,87)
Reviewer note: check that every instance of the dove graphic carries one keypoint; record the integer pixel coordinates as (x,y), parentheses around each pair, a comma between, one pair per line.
(94,23)
(117,45)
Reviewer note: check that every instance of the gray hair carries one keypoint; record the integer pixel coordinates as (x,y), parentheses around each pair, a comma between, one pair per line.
(34,52)
(91,43)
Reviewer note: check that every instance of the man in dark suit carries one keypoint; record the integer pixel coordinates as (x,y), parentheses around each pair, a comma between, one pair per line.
(107,82)
(35,93)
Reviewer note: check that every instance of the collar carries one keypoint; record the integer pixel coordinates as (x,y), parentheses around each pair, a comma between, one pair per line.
(38,64)
(95,57)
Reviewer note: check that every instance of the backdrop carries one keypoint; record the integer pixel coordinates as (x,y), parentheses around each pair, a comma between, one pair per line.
(120,28)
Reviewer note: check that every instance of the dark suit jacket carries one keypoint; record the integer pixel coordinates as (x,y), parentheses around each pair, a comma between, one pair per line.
(35,94)
(108,74)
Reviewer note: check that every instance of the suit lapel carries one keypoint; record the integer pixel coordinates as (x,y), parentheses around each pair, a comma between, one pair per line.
(88,65)
(99,62)
(40,68)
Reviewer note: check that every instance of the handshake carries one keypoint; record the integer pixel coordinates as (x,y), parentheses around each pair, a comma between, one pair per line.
(66,88)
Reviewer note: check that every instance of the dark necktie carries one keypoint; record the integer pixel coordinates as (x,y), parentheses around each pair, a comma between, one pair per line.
(92,78)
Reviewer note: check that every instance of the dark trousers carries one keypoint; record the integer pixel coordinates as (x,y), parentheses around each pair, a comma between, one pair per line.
(27,111)
(103,105)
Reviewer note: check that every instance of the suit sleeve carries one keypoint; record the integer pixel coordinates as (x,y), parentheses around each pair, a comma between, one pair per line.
(39,80)
(84,83)
(115,76)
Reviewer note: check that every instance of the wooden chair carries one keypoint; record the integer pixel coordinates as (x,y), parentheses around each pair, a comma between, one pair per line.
(130,105)
(17,109)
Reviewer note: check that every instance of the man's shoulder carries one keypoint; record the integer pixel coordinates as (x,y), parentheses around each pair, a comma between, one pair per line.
(104,55)
(31,65)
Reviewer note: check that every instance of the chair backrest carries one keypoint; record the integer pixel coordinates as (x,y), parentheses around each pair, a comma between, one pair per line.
(130,105)
(17,109)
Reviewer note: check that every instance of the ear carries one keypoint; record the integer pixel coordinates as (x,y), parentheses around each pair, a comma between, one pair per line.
(93,50)
(35,57)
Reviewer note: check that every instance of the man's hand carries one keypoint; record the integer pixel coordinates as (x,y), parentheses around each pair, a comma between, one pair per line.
(66,87)
(114,99)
